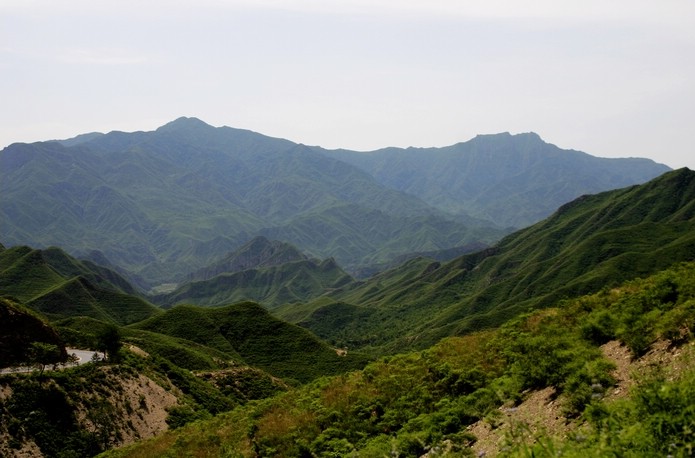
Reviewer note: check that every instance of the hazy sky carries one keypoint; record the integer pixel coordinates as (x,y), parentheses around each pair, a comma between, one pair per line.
(612,78)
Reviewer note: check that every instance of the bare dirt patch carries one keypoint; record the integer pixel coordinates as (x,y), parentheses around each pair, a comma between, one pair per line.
(26,450)
(138,351)
(541,411)
(150,403)
(662,356)
(140,410)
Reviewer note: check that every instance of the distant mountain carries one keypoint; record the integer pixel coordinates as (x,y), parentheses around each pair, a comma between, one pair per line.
(280,348)
(166,203)
(257,253)
(588,244)
(512,180)
(297,281)
(58,285)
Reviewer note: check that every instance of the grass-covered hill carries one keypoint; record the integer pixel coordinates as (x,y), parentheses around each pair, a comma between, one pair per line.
(173,368)
(592,242)
(58,285)
(269,272)
(291,282)
(247,329)
(425,403)
(512,180)
(258,252)
(165,203)
(189,337)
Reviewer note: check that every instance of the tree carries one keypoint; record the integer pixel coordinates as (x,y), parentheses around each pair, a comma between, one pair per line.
(42,354)
(109,341)
(72,360)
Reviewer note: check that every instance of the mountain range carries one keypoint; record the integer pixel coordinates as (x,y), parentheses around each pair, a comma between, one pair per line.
(512,307)
(159,206)
(587,244)
(511,180)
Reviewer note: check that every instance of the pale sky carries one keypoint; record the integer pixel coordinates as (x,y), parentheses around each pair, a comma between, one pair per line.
(613,78)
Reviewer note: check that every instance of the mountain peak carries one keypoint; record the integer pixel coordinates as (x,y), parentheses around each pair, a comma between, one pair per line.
(257,253)
(528,136)
(184,123)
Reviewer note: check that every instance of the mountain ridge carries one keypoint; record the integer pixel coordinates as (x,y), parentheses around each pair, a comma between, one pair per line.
(57,285)
(480,176)
(584,246)
(162,204)
(256,253)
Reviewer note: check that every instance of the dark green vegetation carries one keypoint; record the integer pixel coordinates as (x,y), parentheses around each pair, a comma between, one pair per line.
(590,243)
(413,403)
(160,205)
(81,411)
(187,336)
(512,180)
(57,285)
(258,253)
(46,409)
(247,329)
(292,282)
(20,328)
(122,395)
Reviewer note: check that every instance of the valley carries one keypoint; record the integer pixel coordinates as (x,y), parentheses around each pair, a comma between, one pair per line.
(257,297)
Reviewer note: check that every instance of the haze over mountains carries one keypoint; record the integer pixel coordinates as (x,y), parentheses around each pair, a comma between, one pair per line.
(161,205)
(511,180)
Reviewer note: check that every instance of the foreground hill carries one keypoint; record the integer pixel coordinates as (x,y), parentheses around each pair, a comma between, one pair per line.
(58,285)
(19,328)
(163,204)
(148,385)
(512,180)
(426,403)
(282,349)
(588,244)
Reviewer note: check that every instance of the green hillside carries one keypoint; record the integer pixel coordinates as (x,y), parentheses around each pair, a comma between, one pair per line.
(256,253)
(357,238)
(423,403)
(512,180)
(291,282)
(57,285)
(282,349)
(592,242)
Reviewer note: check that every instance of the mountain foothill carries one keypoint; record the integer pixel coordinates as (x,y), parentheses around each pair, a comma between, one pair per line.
(233,267)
